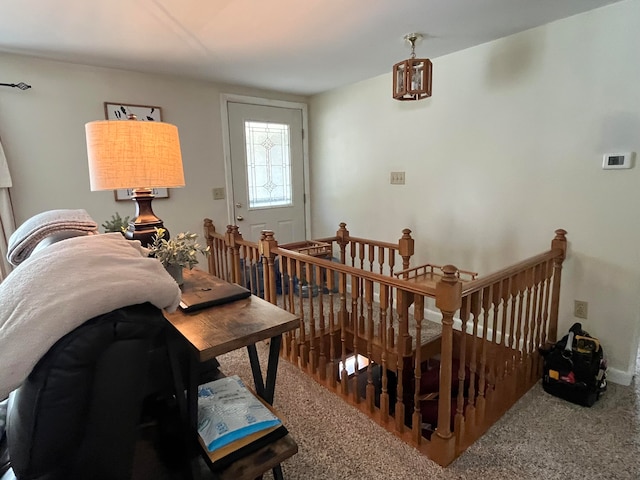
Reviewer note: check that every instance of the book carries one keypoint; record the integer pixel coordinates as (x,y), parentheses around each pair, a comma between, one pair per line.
(208,293)
(223,457)
(228,411)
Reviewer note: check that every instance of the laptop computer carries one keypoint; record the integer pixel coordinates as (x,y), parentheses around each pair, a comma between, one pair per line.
(209,292)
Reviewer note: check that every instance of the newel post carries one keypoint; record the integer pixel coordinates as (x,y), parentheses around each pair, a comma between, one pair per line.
(342,236)
(406,246)
(559,243)
(209,228)
(266,247)
(209,231)
(231,237)
(448,300)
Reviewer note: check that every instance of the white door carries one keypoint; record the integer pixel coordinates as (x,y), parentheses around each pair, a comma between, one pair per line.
(267,168)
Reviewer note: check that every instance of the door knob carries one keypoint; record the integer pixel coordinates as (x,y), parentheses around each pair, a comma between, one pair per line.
(239,218)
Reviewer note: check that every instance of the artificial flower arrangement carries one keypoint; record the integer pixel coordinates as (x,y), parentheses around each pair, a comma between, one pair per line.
(180,251)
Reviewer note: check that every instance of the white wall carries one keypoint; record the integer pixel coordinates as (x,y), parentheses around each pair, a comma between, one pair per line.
(42,131)
(507,149)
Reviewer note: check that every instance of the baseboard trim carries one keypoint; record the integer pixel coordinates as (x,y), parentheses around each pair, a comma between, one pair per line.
(618,376)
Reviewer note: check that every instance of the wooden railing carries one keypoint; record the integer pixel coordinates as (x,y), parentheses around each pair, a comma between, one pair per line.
(371,255)
(234,259)
(365,334)
(219,262)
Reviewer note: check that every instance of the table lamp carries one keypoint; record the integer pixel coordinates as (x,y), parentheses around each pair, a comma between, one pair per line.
(136,155)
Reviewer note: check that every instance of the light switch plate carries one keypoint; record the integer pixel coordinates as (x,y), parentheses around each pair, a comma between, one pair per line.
(218,193)
(397,178)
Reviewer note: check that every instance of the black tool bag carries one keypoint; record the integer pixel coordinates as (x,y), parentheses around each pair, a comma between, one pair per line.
(574,368)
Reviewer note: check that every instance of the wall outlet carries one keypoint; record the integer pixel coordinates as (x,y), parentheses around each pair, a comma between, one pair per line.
(397,178)
(580,309)
(218,193)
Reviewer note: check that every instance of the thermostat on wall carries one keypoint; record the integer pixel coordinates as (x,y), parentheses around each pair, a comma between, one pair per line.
(617,160)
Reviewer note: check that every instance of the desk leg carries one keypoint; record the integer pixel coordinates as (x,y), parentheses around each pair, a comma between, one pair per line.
(277,473)
(266,389)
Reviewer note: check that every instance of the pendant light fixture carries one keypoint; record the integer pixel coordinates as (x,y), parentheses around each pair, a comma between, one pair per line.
(412,77)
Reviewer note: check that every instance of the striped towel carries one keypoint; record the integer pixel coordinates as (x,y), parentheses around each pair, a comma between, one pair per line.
(68,223)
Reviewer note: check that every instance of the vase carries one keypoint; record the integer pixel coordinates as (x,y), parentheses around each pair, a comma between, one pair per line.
(176,272)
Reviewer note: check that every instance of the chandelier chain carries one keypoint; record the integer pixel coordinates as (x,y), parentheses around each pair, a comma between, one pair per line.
(411,38)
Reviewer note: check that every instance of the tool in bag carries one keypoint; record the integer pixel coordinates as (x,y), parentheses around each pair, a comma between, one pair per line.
(574,368)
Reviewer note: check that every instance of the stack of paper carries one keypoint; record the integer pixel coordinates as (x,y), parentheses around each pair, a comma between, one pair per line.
(228,411)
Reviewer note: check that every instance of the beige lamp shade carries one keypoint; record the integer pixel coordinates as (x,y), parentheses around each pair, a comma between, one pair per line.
(133,154)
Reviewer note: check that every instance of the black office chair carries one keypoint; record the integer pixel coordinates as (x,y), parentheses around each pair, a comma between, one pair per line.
(76,415)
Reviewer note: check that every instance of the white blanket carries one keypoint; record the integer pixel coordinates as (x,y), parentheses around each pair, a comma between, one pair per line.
(65,284)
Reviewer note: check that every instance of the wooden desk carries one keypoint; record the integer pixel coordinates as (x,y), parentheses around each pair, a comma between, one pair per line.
(217,330)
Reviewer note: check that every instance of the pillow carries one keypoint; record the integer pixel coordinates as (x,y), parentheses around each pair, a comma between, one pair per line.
(56,237)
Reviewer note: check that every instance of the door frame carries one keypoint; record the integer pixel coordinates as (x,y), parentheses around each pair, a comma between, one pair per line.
(225,99)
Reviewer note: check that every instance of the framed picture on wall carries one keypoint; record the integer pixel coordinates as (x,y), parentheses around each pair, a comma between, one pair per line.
(121,111)
(126,193)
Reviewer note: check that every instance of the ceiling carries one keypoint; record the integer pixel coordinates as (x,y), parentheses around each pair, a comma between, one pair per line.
(296,46)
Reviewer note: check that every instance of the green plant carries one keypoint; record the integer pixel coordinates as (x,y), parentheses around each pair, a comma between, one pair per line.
(116,224)
(179,251)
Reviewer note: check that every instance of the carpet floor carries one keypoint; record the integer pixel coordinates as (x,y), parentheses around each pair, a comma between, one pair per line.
(541,437)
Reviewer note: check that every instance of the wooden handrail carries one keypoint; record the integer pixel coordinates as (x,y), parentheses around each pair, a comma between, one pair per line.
(365,274)
(557,253)
(391,246)
(468,287)
(483,282)
(429,268)
(327,239)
